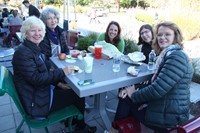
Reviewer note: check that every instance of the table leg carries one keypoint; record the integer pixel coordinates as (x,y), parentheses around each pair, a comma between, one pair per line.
(99,109)
(102,110)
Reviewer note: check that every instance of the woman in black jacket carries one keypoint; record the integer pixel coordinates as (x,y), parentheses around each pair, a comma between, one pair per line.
(145,39)
(54,41)
(35,81)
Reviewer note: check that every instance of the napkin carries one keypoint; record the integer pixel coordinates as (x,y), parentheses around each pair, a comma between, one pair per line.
(131,70)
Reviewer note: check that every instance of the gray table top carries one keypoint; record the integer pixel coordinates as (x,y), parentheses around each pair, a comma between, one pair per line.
(105,79)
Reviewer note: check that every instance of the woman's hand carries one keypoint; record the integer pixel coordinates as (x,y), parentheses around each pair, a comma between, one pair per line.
(68,70)
(128,91)
(63,86)
(123,93)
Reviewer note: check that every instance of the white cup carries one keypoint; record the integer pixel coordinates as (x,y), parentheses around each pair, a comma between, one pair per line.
(88,64)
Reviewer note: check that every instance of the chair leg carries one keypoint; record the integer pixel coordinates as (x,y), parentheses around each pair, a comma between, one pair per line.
(29,128)
(19,127)
(46,130)
(70,124)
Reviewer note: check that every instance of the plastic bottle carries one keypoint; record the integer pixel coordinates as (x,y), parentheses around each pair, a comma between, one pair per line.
(151,63)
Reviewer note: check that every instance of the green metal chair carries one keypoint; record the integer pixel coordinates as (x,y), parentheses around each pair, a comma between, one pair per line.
(7,86)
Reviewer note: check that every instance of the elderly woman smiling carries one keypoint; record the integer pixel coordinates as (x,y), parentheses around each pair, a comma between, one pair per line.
(54,41)
(35,81)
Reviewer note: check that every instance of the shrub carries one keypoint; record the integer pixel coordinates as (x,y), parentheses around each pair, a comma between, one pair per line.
(196,66)
(79,9)
(86,41)
(130,46)
(189,25)
(187,22)
(145,18)
(93,35)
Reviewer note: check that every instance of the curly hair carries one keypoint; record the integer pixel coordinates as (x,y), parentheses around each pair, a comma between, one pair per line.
(45,14)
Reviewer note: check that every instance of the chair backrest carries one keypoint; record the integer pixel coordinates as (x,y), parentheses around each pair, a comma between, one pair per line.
(72,38)
(7,86)
(14,28)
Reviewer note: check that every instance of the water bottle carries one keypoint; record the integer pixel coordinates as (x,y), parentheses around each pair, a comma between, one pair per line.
(151,64)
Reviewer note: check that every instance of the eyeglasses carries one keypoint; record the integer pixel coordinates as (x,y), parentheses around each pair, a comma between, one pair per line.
(166,35)
(144,32)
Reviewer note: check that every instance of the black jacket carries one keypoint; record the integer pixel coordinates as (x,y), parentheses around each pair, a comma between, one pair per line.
(33,79)
(33,11)
(46,46)
(146,49)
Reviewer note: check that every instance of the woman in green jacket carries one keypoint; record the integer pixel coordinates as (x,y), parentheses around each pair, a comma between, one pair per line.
(113,36)
(168,95)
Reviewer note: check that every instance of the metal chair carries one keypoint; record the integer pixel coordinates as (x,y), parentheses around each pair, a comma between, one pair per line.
(7,86)
(6,55)
(13,29)
(72,38)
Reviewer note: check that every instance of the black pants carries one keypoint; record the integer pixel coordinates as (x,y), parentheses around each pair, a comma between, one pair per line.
(63,98)
(127,108)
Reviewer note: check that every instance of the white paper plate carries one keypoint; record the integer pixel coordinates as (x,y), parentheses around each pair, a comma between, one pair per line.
(70,61)
(136,56)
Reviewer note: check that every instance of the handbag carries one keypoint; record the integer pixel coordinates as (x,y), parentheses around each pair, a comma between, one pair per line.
(127,125)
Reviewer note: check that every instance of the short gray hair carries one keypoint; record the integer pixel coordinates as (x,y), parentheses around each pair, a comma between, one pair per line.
(29,23)
(45,14)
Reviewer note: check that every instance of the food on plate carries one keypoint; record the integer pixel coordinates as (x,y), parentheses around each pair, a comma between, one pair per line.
(83,53)
(76,68)
(131,70)
(137,56)
(62,56)
(75,53)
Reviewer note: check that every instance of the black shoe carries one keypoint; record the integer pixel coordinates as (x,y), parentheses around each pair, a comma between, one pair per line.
(87,129)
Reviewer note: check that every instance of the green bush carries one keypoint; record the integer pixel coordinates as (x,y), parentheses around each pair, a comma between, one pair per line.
(93,35)
(130,46)
(86,41)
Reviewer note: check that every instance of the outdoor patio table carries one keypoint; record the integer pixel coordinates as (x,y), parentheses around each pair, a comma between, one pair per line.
(6,57)
(105,80)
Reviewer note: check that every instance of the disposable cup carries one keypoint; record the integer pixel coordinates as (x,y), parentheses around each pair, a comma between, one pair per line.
(88,64)
(97,51)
